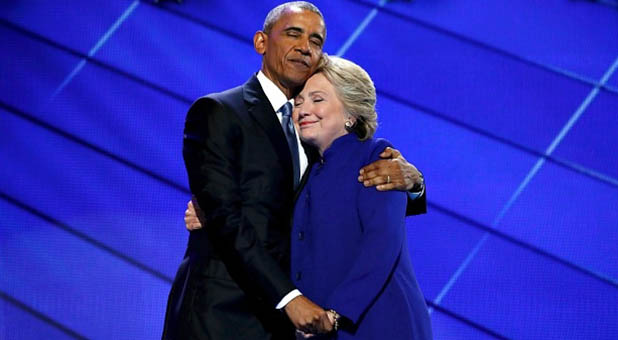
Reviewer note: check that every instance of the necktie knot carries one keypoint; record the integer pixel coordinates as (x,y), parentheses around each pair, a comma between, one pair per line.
(286,110)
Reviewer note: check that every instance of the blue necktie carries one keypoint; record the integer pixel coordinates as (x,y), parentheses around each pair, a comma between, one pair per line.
(290,134)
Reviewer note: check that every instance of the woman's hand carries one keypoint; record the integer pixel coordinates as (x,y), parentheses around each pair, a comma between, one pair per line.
(192,221)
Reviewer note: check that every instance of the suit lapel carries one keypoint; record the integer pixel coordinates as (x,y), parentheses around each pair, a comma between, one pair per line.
(261,111)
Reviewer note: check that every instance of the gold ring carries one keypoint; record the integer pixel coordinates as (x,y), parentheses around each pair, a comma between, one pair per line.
(388,179)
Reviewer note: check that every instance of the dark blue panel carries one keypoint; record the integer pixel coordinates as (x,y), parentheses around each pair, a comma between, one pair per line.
(569,215)
(468,172)
(578,36)
(244,18)
(123,117)
(613,81)
(116,205)
(465,172)
(30,70)
(179,55)
(19,324)
(525,296)
(77,24)
(438,244)
(190,59)
(469,84)
(82,287)
(448,328)
(592,141)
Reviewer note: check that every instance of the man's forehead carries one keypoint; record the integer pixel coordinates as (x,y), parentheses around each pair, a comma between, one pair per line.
(293,16)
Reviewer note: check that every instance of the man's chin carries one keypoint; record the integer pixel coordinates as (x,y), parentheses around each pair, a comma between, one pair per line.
(297,78)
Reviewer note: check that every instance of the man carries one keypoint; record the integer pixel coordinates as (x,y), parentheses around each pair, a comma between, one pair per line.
(245,163)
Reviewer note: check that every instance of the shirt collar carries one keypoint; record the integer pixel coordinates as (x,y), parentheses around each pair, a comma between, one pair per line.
(273,93)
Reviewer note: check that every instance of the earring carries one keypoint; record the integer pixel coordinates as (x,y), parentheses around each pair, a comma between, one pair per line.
(348,124)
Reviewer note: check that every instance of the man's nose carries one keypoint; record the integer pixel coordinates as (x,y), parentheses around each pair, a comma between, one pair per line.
(303,46)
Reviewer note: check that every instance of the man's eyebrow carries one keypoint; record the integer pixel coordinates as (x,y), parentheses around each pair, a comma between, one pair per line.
(300,30)
(318,36)
(295,29)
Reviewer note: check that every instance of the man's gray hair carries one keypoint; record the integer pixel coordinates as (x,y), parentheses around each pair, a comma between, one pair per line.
(275,13)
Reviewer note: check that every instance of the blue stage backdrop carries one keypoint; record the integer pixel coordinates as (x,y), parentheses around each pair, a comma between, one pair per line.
(510,108)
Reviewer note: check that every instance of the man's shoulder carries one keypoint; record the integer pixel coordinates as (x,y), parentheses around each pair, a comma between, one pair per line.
(224,98)
(234,93)
(236,98)
(230,100)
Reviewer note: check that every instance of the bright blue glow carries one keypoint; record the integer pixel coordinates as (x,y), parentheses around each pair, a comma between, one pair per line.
(472,97)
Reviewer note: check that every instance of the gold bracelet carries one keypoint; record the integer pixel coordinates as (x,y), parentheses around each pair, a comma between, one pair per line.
(336,317)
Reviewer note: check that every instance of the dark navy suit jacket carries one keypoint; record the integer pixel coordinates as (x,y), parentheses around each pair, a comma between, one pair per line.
(237,268)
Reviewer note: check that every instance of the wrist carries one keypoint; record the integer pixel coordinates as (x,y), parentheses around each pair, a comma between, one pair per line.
(334,317)
(419,184)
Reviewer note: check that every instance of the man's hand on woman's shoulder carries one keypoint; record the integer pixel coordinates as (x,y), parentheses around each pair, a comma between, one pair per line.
(392,172)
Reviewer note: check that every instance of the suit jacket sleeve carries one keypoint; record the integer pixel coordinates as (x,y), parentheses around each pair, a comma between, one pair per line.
(211,149)
(418,205)
(382,220)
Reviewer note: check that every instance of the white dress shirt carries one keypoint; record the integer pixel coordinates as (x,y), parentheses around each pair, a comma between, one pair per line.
(277,99)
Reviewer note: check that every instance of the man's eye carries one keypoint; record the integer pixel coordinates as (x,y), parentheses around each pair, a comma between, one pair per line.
(317,100)
(316,43)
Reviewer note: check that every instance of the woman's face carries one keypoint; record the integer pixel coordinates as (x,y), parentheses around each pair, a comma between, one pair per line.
(319,113)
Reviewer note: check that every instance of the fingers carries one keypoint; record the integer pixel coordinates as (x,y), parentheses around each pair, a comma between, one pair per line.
(193,203)
(313,325)
(302,335)
(390,174)
(373,170)
(318,324)
(191,220)
(368,168)
(326,322)
(383,174)
(192,223)
(390,153)
(306,315)
(309,323)
(386,187)
(379,180)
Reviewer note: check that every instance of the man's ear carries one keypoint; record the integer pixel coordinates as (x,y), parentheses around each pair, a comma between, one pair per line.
(259,42)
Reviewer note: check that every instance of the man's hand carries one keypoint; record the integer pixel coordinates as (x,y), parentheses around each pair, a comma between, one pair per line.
(300,335)
(192,221)
(392,172)
(308,317)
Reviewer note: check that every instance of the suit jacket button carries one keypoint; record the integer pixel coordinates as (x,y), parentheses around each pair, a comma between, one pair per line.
(298,276)
(301,235)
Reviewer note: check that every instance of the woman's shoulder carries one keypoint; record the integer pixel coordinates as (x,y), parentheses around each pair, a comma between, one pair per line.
(374,147)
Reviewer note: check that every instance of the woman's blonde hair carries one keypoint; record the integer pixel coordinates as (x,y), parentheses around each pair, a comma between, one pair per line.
(356,91)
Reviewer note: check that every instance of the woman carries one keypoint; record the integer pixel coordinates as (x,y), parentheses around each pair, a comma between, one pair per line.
(349,248)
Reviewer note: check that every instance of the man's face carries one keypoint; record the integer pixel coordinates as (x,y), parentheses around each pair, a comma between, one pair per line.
(293,48)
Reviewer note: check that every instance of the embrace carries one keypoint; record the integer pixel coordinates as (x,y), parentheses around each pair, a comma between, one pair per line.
(291,241)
